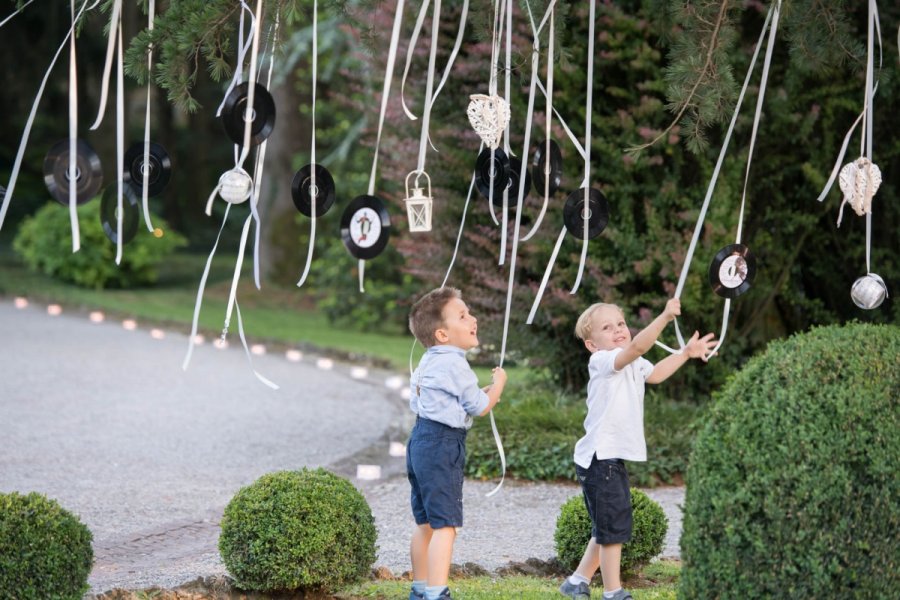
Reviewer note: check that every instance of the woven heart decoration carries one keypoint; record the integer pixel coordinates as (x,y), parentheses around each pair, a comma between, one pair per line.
(859,180)
(489,116)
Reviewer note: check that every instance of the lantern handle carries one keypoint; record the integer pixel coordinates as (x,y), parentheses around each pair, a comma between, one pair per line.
(416,183)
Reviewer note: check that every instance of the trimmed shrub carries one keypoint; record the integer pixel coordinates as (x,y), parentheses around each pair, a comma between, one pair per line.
(297,530)
(44,242)
(45,551)
(792,488)
(573,532)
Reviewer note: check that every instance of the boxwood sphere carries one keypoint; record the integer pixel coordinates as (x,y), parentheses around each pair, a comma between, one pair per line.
(45,551)
(573,531)
(792,487)
(297,530)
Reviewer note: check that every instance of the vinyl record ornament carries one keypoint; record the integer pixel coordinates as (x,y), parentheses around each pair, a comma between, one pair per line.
(157,171)
(303,191)
(488,164)
(109,210)
(540,167)
(262,117)
(365,227)
(515,169)
(88,172)
(597,213)
(732,271)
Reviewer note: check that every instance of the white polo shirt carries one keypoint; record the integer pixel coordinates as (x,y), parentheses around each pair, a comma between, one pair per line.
(614,427)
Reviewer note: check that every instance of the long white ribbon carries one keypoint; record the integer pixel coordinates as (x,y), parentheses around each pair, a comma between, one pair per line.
(15,12)
(682,279)
(546,278)
(145,187)
(115,21)
(585,211)
(23,142)
(410,51)
(429,86)
(120,139)
(244,44)
(73,140)
(504,218)
(870,112)
(385,94)
(312,150)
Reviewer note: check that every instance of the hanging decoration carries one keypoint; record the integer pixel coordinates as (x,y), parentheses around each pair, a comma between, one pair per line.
(261,116)
(732,271)
(109,214)
(489,116)
(418,204)
(869,291)
(859,180)
(148,169)
(88,172)
(365,227)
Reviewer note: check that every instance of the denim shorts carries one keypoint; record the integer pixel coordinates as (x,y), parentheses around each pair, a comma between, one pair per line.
(435,457)
(607,496)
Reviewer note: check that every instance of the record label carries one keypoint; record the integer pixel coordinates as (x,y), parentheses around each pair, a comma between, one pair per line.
(732,271)
(365,227)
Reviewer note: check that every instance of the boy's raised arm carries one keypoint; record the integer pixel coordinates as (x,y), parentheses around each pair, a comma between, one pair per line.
(644,340)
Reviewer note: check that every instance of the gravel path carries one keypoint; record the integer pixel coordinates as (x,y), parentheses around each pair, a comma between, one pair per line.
(104,420)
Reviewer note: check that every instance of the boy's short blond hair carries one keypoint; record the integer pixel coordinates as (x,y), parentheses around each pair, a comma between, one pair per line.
(586,320)
(427,314)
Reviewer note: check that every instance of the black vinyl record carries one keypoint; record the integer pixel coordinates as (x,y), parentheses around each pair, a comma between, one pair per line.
(88,172)
(130,213)
(365,227)
(302,191)
(515,168)
(500,168)
(263,116)
(539,164)
(598,213)
(732,271)
(158,170)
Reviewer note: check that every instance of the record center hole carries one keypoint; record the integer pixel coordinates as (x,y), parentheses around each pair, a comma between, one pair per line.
(77,174)
(314,190)
(147,168)
(589,213)
(252,116)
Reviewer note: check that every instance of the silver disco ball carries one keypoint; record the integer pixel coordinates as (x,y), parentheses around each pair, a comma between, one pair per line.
(869,291)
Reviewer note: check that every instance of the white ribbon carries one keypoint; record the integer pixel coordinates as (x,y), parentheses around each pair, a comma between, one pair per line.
(869,118)
(15,12)
(115,21)
(145,187)
(73,140)
(244,44)
(585,211)
(420,20)
(258,375)
(429,85)
(546,278)
(507,96)
(715,176)
(386,91)
(17,165)
(120,139)
(312,151)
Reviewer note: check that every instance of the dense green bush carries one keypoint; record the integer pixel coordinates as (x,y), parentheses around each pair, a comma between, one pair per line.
(792,486)
(45,244)
(539,428)
(573,531)
(45,551)
(297,530)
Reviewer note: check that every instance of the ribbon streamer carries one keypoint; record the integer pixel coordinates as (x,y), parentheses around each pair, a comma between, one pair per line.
(145,187)
(73,139)
(244,44)
(420,20)
(312,150)
(15,12)
(120,139)
(115,20)
(23,142)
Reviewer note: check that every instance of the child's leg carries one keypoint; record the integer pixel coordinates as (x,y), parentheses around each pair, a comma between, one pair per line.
(590,562)
(440,552)
(418,551)
(610,557)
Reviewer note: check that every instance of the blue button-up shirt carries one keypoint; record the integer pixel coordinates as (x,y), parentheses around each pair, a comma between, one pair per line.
(445,389)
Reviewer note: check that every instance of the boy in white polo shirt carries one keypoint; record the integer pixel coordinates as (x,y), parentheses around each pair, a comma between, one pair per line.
(614,432)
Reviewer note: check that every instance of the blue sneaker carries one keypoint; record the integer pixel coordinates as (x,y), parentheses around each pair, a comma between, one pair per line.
(582,591)
(414,596)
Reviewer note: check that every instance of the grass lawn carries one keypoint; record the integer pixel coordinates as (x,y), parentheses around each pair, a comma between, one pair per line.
(657,581)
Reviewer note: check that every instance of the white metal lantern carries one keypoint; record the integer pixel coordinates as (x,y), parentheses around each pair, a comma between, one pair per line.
(418,204)
(869,291)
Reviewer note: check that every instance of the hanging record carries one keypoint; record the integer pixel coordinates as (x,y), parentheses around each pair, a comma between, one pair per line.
(513,171)
(732,271)
(303,191)
(88,172)
(365,227)
(484,166)
(597,213)
(158,169)
(262,117)
(539,165)
(109,209)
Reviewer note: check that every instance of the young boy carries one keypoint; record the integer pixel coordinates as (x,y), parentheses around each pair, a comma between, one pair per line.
(445,395)
(614,432)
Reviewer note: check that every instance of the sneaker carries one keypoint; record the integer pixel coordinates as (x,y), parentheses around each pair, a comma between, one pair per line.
(622,594)
(445,595)
(582,591)
(414,596)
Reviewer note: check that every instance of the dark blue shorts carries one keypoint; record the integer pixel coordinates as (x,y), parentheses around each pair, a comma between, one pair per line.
(607,496)
(435,457)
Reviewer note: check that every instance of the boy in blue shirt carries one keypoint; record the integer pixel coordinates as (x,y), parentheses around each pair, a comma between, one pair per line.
(445,395)
(614,432)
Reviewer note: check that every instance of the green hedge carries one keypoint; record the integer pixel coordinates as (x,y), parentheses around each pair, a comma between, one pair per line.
(792,489)
(44,242)
(573,531)
(45,551)
(297,530)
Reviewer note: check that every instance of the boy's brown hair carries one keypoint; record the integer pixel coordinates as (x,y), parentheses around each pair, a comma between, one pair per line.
(427,316)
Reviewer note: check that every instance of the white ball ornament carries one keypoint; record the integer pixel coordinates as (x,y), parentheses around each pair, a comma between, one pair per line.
(869,291)
(235,186)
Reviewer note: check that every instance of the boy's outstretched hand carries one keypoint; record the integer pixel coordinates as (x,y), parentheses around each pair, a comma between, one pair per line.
(700,347)
(673,309)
